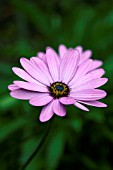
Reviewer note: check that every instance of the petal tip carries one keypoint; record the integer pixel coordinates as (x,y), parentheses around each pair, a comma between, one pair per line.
(12,94)
(22,59)
(9,87)
(44,119)
(104,105)
(14,69)
(106,79)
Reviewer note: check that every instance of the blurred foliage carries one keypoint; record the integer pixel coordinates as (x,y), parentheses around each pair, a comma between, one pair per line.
(82,141)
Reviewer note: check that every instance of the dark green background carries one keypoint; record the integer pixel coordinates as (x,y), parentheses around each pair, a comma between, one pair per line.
(82,140)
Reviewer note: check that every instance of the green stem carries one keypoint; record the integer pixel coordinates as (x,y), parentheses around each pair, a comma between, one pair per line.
(37,149)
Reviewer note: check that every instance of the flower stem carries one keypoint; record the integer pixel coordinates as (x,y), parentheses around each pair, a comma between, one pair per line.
(37,148)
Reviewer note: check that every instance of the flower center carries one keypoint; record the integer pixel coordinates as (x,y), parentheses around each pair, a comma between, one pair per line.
(59,89)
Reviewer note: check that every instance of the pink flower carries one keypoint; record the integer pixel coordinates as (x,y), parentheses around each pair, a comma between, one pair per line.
(54,81)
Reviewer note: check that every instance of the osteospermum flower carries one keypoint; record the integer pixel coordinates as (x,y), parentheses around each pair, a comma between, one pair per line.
(54,81)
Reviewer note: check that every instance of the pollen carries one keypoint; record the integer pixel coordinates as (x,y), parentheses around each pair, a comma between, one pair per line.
(59,89)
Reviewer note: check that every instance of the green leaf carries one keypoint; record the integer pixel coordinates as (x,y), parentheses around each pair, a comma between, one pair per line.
(55,149)
(27,148)
(34,14)
(96,115)
(76,124)
(5,69)
(11,127)
(7,102)
(88,162)
(108,65)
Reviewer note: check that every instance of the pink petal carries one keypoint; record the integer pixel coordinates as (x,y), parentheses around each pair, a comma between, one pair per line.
(85,55)
(53,51)
(80,106)
(13,87)
(68,65)
(42,66)
(96,64)
(47,112)
(95,74)
(24,75)
(31,86)
(41,99)
(80,49)
(88,94)
(94,103)
(67,100)
(90,84)
(53,63)
(44,59)
(23,94)
(59,108)
(84,68)
(32,61)
(62,50)
(34,71)
(81,71)
(40,55)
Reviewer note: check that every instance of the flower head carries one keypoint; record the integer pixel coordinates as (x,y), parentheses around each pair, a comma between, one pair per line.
(54,81)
